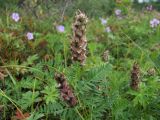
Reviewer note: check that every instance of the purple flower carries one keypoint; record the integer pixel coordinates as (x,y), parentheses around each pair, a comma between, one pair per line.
(60,28)
(29,36)
(118,12)
(15,17)
(149,8)
(108,29)
(154,22)
(103,21)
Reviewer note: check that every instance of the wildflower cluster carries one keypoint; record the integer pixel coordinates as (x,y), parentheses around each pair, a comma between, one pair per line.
(118,14)
(104,23)
(16,17)
(99,86)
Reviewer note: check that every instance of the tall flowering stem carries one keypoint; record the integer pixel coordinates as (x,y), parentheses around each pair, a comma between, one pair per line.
(79,42)
(65,90)
(135,74)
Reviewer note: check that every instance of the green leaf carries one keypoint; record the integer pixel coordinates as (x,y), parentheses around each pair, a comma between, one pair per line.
(35,116)
(51,94)
(98,72)
(31,59)
(28,99)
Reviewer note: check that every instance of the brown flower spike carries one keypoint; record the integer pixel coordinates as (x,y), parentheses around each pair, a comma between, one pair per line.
(65,90)
(3,74)
(105,56)
(79,42)
(135,74)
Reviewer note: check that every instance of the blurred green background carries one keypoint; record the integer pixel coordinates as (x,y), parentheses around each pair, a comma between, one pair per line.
(93,8)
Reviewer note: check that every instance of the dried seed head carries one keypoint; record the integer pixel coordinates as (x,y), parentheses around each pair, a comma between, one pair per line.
(79,42)
(135,74)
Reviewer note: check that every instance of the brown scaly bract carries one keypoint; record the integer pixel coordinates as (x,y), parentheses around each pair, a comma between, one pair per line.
(79,42)
(65,90)
(135,74)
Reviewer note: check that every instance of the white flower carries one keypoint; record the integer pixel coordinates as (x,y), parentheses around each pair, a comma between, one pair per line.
(154,22)
(15,17)
(108,29)
(30,36)
(103,21)
(60,28)
(118,12)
